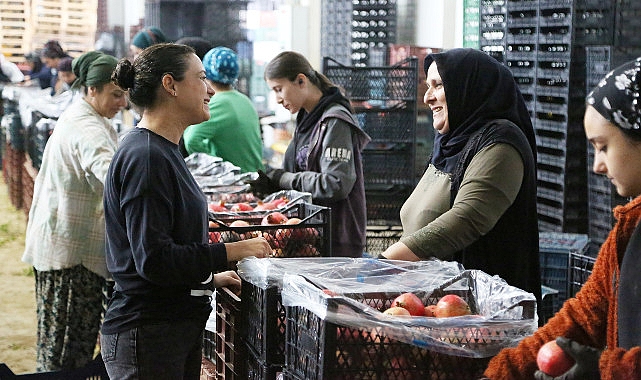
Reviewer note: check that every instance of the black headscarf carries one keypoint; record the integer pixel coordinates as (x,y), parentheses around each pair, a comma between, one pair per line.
(478,89)
(617,96)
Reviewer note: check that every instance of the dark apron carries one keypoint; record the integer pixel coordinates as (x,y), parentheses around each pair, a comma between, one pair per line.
(629,313)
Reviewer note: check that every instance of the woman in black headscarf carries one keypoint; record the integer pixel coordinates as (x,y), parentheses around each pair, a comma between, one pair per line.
(599,327)
(476,202)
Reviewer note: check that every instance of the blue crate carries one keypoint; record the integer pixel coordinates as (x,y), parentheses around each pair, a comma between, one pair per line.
(550,304)
(580,268)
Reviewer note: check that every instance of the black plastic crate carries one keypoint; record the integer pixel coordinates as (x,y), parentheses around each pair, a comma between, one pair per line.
(259,370)
(379,237)
(318,349)
(387,125)
(231,351)
(580,268)
(393,164)
(383,84)
(310,237)
(14,130)
(263,318)
(37,135)
(554,255)
(384,203)
(94,370)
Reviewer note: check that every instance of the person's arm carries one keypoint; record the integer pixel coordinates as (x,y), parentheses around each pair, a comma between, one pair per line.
(489,186)
(337,174)
(96,147)
(583,318)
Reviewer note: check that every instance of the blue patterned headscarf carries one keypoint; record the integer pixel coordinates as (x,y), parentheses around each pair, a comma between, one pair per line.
(616,97)
(221,65)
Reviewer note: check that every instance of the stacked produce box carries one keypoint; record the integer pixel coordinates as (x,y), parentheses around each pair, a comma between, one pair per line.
(357,32)
(544,45)
(385,103)
(241,338)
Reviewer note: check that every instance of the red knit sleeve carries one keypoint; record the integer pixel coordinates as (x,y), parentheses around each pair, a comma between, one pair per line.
(618,364)
(582,318)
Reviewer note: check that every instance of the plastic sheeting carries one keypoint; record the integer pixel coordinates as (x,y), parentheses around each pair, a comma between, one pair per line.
(339,290)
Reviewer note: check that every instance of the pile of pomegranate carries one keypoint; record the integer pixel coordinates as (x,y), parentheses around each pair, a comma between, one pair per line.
(221,206)
(408,304)
(285,241)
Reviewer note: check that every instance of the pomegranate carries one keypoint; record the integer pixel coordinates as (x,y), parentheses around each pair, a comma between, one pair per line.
(552,360)
(411,302)
(274,218)
(217,207)
(451,305)
(398,311)
(263,206)
(281,202)
(429,310)
(242,206)
(239,223)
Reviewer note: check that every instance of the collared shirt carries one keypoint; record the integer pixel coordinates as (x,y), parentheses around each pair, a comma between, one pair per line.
(66,224)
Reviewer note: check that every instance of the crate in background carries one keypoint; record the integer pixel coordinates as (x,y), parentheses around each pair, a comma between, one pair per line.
(231,352)
(580,268)
(384,203)
(379,237)
(554,253)
(549,304)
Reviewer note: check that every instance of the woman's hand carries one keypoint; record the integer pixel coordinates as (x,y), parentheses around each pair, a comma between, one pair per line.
(227,279)
(399,251)
(258,247)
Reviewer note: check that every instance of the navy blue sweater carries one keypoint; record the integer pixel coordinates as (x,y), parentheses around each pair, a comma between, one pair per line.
(156,242)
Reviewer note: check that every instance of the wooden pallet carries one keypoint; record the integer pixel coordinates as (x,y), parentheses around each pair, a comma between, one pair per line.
(26,26)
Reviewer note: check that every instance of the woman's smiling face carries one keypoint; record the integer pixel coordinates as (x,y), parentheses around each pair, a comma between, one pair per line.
(435,99)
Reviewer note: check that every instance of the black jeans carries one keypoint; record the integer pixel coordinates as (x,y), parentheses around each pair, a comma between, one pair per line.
(170,350)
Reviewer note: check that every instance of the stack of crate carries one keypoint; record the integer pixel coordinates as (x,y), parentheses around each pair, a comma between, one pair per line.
(544,43)
(357,32)
(385,104)
(492,28)
(521,48)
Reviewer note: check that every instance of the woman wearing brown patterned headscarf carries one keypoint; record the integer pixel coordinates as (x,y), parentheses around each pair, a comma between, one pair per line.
(601,326)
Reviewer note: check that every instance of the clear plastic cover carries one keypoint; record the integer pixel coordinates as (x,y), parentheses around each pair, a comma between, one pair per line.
(354,292)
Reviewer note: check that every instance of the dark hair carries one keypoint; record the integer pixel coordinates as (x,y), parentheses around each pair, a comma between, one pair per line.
(200,45)
(52,49)
(143,77)
(34,58)
(289,64)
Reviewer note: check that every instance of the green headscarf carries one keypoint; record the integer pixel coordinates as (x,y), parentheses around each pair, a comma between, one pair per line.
(147,37)
(93,69)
